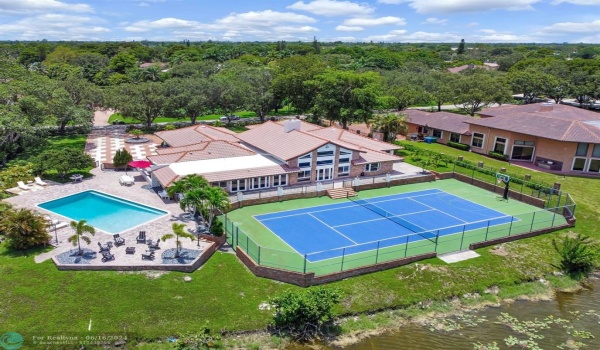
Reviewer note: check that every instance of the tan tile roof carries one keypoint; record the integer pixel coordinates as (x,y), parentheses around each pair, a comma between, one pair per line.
(445,121)
(248,173)
(165,176)
(271,138)
(376,157)
(195,134)
(365,142)
(556,122)
(201,151)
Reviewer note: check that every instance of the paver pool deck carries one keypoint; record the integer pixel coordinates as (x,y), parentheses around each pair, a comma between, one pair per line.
(108,182)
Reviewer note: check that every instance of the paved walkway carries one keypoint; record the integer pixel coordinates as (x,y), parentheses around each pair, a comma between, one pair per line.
(101,117)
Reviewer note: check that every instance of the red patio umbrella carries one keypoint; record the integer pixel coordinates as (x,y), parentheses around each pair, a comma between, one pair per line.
(143,164)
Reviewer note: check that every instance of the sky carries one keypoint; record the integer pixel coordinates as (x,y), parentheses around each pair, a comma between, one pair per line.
(431,21)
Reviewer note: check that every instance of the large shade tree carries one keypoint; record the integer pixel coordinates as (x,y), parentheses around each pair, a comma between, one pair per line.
(345,96)
(390,125)
(479,89)
(143,102)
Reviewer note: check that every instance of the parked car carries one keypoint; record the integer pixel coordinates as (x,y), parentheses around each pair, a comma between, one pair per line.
(229,118)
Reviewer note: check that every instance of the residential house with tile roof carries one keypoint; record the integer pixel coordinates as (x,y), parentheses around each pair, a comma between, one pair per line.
(269,155)
(444,126)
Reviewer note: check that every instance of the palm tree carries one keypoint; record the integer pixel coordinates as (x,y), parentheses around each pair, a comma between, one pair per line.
(195,199)
(81,227)
(187,183)
(178,232)
(23,228)
(216,200)
(390,125)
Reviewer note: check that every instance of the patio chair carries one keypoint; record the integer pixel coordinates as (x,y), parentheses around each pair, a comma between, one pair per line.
(103,248)
(106,256)
(118,240)
(152,245)
(148,256)
(39,181)
(23,186)
(141,238)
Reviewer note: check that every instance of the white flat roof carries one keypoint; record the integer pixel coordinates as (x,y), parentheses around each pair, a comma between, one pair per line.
(221,164)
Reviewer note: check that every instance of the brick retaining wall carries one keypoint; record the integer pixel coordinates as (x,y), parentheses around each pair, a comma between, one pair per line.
(520,236)
(309,279)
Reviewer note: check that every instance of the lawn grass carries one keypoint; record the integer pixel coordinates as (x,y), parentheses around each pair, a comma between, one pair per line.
(243,114)
(54,142)
(225,295)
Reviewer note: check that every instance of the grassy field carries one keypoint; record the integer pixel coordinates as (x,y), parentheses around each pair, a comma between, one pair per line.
(226,296)
(55,142)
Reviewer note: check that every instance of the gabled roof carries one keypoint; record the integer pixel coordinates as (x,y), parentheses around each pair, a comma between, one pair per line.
(195,134)
(166,176)
(248,173)
(551,121)
(200,151)
(375,157)
(271,138)
(445,121)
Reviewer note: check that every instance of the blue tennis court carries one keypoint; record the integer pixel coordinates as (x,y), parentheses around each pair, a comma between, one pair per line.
(333,230)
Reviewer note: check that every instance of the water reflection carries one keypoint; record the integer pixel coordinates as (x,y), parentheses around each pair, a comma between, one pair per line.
(574,307)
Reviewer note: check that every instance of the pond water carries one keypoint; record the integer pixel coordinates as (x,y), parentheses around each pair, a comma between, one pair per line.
(582,309)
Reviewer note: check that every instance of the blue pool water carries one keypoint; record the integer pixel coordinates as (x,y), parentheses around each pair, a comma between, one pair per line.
(104,212)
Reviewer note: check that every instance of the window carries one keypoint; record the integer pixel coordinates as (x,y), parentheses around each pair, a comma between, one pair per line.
(579,164)
(522,153)
(343,170)
(222,184)
(372,167)
(500,145)
(524,143)
(259,182)
(454,137)
(596,151)
(594,166)
(344,151)
(304,165)
(238,185)
(325,154)
(325,162)
(477,140)
(279,180)
(304,175)
(344,160)
(437,133)
(582,150)
(306,156)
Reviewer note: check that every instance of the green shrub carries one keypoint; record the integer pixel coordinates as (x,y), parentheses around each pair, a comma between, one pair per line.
(217,228)
(577,255)
(499,156)
(305,314)
(461,146)
(24,228)
(122,158)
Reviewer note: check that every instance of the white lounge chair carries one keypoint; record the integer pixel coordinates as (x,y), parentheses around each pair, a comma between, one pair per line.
(39,181)
(23,186)
(126,180)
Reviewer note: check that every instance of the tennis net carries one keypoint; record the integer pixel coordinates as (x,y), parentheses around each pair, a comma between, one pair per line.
(431,236)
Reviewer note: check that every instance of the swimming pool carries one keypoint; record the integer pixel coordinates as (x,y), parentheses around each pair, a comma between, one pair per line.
(103,211)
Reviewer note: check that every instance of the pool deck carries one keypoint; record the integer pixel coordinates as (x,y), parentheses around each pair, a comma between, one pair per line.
(140,192)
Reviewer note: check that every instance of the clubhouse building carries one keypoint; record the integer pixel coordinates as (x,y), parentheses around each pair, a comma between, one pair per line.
(550,136)
(268,155)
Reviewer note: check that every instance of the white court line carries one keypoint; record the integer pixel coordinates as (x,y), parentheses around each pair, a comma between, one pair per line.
(341,234)
(384,217)
(452,216)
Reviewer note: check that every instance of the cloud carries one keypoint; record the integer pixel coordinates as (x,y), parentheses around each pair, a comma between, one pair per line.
(467,6)
(36,6)
(392,2)
(264,18)
(333,8)
(404,36)
(578,2)
(494,36)
(54,27)
(433,20)
(571,28)
(343,28)
(163,23)
(372,22)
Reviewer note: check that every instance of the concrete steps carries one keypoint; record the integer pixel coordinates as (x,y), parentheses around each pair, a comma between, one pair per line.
(344,192)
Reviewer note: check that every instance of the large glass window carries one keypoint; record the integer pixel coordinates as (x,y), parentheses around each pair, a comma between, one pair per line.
(500,145)
(343,170)
(304,175)
(477,140)
(522,153)
(437,133)
(454,137)
(594,166)
(238,185)
(324,153)
(596,151)
(304,165)
(579,164)
(259,182)
(279,180)
(325,162)
(582,150)
(372,167)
